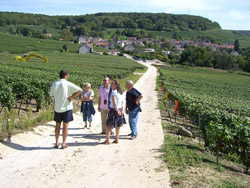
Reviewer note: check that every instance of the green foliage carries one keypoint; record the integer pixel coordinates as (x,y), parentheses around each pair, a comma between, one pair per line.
(178,155)
(222,102)
(66,35)
(32,79)
(236,45)
(100,21)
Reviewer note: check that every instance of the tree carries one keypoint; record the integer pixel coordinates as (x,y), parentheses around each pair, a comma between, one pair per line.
(66,35)
(65,48)
(236,45)
(45,31)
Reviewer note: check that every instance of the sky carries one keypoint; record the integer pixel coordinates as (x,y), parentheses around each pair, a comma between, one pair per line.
(230,14)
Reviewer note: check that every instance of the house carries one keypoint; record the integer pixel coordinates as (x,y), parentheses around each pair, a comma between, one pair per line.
(149,50)
(132,39)
(101,44)
(81,39)
(129,48)
(235,53)
(113,52)
(166,52)
(85,48)
(139,43)
(47,34)
(146,40)
(157,41)
(120,43)
(127,42)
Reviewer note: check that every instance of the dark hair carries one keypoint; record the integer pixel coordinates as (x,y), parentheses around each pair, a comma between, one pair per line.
(63,73)
(119,89)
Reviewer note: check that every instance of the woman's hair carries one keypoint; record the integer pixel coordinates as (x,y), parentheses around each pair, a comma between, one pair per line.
(87,84)
(119,89)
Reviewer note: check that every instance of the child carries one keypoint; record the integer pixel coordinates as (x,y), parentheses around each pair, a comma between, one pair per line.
(87,107)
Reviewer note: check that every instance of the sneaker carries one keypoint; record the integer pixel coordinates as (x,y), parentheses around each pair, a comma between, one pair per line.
(130,134)
(133,137)
(102,133)
(85,127)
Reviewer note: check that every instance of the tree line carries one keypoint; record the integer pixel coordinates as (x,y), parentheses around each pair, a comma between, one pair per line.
(100,21)
(220,59)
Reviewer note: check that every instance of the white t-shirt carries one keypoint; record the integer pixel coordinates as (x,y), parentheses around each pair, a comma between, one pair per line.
(61,90)
(118,97)
(88,94)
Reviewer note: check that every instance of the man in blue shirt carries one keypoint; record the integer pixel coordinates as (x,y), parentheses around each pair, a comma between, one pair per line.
(133,97)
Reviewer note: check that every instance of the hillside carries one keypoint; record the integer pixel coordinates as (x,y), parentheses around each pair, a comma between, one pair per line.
(101,21)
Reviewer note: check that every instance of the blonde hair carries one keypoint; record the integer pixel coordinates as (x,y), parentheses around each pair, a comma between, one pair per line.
(87,84)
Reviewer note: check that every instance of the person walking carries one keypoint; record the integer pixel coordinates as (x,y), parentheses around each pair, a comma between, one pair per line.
(104,102)
(133,97)
(63,92)
(116,117)
(87,107)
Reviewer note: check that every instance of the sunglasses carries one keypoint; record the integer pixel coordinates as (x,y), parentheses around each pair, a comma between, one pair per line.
(104,80)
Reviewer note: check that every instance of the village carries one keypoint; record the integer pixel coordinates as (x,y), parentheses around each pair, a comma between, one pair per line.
(142,45)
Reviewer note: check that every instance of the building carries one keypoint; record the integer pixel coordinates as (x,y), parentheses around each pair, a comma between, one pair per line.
(149,50)
(132,39)
(47,34)
(85,49)
(129,48)
(166,52)
(113,52)
(235,53)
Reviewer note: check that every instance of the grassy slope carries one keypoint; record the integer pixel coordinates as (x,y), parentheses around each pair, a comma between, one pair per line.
(34,28)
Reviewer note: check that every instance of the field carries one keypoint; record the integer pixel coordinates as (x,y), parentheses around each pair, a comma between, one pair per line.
(33,28)
(217,103)
(32,79)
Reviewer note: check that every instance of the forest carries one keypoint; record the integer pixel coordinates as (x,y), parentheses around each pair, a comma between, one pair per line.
(101,21)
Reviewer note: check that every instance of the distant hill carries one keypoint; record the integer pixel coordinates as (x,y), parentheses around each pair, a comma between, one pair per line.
(101,21)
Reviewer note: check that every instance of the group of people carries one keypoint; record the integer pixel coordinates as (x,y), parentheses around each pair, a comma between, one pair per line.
(110,105)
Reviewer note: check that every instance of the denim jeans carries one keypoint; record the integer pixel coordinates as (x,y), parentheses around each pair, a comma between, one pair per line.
(87,113)
(133,118)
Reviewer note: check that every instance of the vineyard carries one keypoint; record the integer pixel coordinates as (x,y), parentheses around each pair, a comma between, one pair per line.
(217,103)
(31,80)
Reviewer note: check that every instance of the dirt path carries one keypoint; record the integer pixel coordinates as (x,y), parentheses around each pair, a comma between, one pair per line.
(30,161)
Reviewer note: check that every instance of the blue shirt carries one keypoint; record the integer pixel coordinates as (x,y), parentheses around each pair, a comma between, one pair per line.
(118,97)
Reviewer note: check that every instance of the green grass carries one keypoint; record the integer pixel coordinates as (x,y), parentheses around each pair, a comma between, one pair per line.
(20,44)
(34,28)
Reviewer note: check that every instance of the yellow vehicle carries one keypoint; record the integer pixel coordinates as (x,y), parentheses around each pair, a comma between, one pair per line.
(26,57)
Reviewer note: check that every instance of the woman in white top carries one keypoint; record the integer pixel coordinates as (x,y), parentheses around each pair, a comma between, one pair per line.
(115,117)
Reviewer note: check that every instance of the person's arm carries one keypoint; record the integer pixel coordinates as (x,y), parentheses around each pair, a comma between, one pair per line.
(126,108)
(137,101)
(99,100)
(115,106)
(74,95)
(99,104)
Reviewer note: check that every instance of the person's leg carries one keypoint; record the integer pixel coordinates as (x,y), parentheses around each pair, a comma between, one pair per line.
(107,134)
(89,117)
(65,133)
(134,120)
(117,129)
(84,112)
(104,114)
(57,133)
(130,120)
